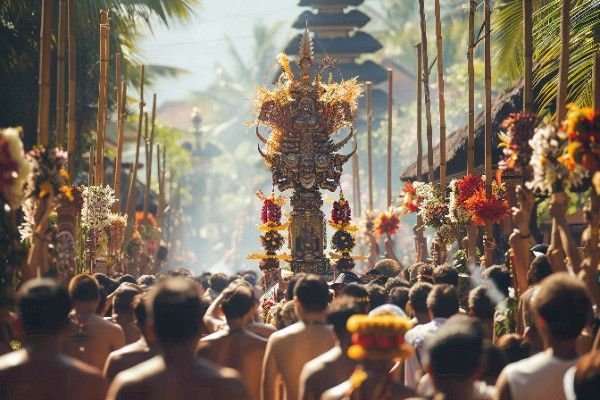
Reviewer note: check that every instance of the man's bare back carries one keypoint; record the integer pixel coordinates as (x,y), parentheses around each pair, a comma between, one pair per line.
(154,379)
(91,339)
(55,376)
(288,351)
(240,350)
(324,372)
(127,357)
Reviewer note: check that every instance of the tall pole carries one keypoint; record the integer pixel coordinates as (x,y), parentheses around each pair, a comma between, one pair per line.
(441,95)
(369,144)
(425,80)
(528,56)
(471,73)
(121,108)
(488,121)
(389,139)
(131,194)
(43,116)
(419,113)
(596,81)
(60,73)
(102,94)
(150,147)
(356,180)
(563,80)
(72,112)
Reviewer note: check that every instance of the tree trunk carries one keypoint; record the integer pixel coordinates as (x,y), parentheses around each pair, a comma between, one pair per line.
(60,73)
(425,80)
(102,92)
(488,123)
(72,113)
(441,98)
(528,102)
(563,79)
(43,122)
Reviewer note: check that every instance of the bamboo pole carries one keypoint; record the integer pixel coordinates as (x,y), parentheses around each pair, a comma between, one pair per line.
(419,238)
(441,95)
(102,94)
(356,180)
(370,144)
(121,109)
(389,138)
(60,73)
(149,147)
(161,186)
(471,73)
(146,155)
(131,193)
(91,163)
(528,56)
(596,81)
(563,80)
(43,116)
(425,80)
(488,122)
(71,116)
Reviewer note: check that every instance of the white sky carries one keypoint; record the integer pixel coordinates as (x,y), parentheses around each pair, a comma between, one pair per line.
(199,44)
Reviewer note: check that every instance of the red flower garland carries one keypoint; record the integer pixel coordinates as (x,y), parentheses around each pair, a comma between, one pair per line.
(387,222)
(341,214)
(485,210)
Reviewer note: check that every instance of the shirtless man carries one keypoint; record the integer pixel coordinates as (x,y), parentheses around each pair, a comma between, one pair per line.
(123,312)
(177,373)
(236,347)
(289,349)
(91,338)
(137,352)
(40,371)
(333,367)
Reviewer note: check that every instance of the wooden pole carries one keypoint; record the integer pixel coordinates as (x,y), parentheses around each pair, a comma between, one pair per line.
(91,163)
(563,79)
(471,73)
(102,94)
(488,122)
(425,80)
(356,180)
(60,73)
(150,147)
(72,113)
(131,194)
(389,138)
(528,56)
(596,81)
(419,238)
(146,153)
(441,95)
(121,112)
(370,144)
(161,187)
(43,117)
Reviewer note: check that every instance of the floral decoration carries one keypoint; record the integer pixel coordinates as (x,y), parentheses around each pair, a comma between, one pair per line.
(342,241)
(14,168)
(582,128)
(49,174)
(410,200)
(519,129)
(97,203)
(116,232)
(387,222)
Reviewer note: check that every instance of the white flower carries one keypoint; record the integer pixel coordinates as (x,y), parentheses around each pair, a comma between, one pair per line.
(97,202)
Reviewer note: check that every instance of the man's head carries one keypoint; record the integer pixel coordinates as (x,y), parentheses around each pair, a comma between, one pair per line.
(480,304)
(417,297)
(377,295)
(562,307)
(338,313)
(538,269)
(123,300)
(43,307)
(453,355)
(359,295)
(499,276)
(176,311)
(218,282)
(445,274)
(311,293)
(442,302)
(399,297)
(388,267)
(237,301)
(83,288)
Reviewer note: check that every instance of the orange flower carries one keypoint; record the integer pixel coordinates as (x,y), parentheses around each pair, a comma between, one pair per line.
(67,191)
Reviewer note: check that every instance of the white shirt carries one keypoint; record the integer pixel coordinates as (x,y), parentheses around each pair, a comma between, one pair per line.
(538,377)
(416,338)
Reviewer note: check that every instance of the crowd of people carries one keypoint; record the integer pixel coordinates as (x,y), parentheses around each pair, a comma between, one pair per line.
(420,332)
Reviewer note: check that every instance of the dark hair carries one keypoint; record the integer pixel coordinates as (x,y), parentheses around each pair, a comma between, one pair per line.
(481,304)
(495,361)
(109,284)
(443,301)
(237,300)
(176,310)
(147,280)
(43,307)
(455,350)
(377,296)
(500,277)
(102,296)
(538,269)
(289,293)
(338,313)
(586,382)
(123,300)
(425,273)
(399,297)
(358,293)
(312,292)
(203,279)
(394,283)
(84,288)
(563,303)
(179,272)
(417,296)
(127,278)
(513,347)
(388,267)
(250,278)
(218,282)
(412,271)
(445,274)
(140,310)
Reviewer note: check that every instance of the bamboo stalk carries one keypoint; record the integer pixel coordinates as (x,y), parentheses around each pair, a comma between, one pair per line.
(389,138)
(72,113)
(471,73)
(60,73)
(146,154)
(161,188)
(370,144)
(121,109)
(563,79)
(425,80)
(91,163)
(131,194)
(441,95)
(43,117)
(102,94)
(419,239)
(356,180)
(488,120)
(150,147)
(528,56)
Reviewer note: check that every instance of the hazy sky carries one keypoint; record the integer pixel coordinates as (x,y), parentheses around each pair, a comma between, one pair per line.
(199,44)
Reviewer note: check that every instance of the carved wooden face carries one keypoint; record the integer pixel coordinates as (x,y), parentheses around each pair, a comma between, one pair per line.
(307,172)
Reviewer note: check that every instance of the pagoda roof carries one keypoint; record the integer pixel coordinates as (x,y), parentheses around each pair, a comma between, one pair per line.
(353,18)
(329,3)
(359,43)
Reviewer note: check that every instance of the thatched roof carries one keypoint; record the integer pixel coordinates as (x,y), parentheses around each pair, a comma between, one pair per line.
(456,142)
(353,18)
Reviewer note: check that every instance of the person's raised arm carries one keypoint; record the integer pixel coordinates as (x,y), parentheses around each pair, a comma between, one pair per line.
(558,210)
(212,320)
(520,239)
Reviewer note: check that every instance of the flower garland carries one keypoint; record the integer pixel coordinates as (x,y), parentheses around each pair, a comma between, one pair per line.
(97,202)
(378,337)
(410,200)
(342,241)
(14,168)
(116,232)
(387,222)
(520,128)
(582,128)
(433,207)
(483,209)
(49,174)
